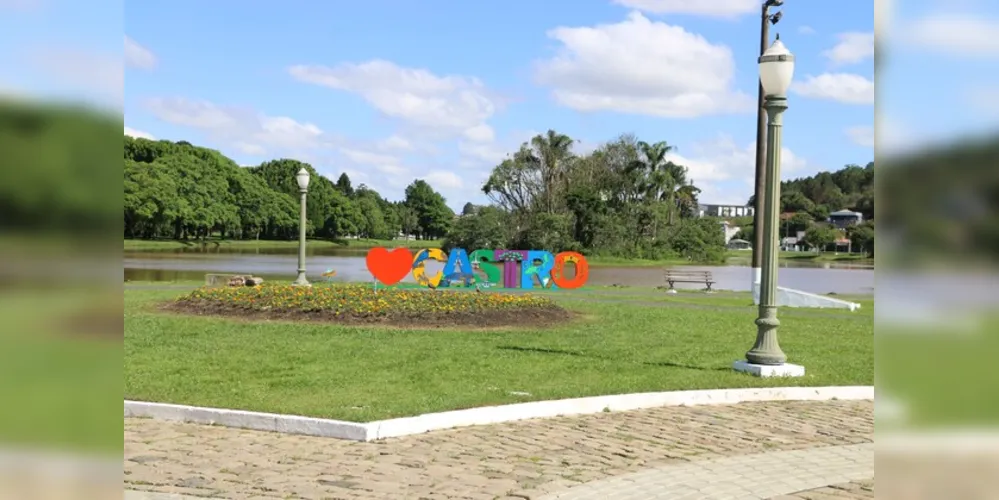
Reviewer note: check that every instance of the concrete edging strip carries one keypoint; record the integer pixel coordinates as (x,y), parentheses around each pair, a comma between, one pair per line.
(407,426)
(258,421)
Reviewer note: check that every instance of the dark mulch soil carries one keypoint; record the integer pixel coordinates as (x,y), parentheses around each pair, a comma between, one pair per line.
(526,317)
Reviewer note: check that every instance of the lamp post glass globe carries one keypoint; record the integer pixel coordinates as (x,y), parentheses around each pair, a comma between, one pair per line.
(303,179)
(776,69)
(303,185)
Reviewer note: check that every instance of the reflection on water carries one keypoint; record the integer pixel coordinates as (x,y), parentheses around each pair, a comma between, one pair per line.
(193,264)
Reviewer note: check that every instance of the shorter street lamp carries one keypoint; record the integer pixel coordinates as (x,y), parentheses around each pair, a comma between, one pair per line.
(766,357)
(303,187)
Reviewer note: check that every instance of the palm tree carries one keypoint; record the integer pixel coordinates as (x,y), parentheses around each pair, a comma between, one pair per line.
(662,180)
(551,153)
(652,168)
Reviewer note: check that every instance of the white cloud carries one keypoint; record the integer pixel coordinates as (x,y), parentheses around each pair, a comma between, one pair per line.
(724,170)
(137,56)
(450,105)
(712,8)
(138,134)
(852,48)
(249,131)
(722,158)
(361,157)
(482,153)
(442,179)
(806,30)
(490,154)
(480,133)
(642,67)
(861,135)
(962,35)
(396,143)
(846,88)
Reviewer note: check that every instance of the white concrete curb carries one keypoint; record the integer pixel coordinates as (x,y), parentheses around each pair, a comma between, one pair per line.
(407,426)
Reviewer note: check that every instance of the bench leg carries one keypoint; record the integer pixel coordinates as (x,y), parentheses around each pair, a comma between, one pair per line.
(708,290)
(671,289)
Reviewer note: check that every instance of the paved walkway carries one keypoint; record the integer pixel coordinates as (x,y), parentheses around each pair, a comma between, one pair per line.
(757,476)
(520,460)
(856,490)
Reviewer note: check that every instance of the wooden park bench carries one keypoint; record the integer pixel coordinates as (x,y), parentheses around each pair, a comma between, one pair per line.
(673,276)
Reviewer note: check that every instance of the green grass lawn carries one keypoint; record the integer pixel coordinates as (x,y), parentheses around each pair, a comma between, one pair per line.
(59,376)
(945,377)
(368,373)
(266,244)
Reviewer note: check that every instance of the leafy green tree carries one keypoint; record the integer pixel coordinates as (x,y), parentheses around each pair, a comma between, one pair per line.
(486,228)
(800,221)
(343,185)
(372,223)
(434,217)
(544,231)
(820,237)
(796,201)
(409,221)
(343,218)
(699,240)
(862,237)
(150,200)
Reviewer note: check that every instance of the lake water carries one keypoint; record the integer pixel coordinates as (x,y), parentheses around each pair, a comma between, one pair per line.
(188,264)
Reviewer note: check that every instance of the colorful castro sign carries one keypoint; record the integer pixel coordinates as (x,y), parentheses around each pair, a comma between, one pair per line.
(492,268)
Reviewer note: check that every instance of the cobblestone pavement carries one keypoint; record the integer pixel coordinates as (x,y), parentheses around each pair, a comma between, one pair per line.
(856,490)
(756,476)
(518,460)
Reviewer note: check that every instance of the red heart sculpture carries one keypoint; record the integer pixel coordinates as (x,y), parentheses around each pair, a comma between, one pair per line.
(389,267)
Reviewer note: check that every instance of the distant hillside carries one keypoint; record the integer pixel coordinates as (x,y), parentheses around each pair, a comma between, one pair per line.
(812,199)
(851,187)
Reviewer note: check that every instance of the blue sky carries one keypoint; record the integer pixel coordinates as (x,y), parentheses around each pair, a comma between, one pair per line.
(389,91)
(442,91)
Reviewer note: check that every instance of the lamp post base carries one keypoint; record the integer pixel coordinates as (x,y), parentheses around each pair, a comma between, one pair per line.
(764,371)
(301,280)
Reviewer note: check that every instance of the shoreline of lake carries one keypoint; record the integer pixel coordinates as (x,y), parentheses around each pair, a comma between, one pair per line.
(319,247)
(349,264)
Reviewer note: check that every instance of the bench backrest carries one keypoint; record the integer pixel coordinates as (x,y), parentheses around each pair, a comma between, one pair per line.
(686,274)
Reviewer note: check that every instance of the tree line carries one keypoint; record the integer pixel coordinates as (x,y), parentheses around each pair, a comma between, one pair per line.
(624,199)
(180,191)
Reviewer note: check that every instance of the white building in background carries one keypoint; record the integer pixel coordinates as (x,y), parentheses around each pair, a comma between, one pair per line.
(709,210)
(729,230)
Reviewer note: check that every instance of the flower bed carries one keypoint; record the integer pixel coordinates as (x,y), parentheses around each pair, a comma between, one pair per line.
(364,304)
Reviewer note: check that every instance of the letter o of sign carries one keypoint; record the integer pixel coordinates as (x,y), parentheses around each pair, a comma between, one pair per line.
(419,269)
(582,270)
